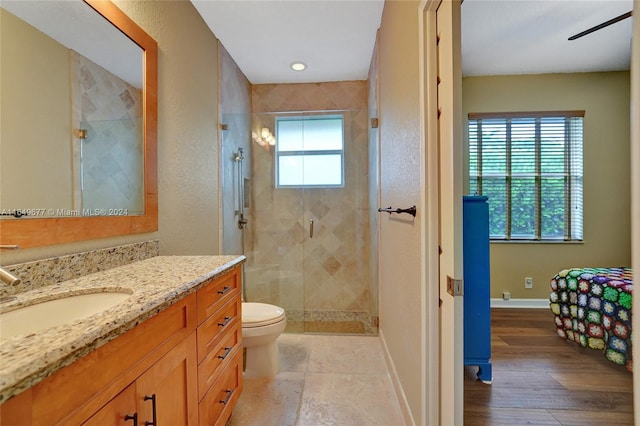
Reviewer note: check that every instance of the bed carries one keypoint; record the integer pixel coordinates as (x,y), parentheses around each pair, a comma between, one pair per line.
(592,307)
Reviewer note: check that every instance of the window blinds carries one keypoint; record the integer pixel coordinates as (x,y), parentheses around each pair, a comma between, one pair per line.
(530,166)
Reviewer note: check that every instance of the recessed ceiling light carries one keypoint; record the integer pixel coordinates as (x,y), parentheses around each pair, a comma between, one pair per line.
(298,66)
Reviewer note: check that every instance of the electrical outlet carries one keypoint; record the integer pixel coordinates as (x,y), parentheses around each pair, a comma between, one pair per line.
(506,295)
(528,282)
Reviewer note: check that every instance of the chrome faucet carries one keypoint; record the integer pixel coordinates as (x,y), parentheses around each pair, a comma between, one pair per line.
(6,276)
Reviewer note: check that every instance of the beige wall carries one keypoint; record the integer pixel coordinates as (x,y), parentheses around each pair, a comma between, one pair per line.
(400,251)
(187,124)
(187,134)
(35,139)
(605,98)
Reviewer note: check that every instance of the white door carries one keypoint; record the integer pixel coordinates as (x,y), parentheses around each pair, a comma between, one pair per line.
(442,75)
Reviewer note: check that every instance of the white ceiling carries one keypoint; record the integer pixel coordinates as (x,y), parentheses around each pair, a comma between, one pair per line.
(335,38)
(530,36)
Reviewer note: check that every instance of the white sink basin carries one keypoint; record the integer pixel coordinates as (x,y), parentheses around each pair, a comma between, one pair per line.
(32,318)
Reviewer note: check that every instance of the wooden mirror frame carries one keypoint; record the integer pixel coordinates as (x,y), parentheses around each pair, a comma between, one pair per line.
(50,231)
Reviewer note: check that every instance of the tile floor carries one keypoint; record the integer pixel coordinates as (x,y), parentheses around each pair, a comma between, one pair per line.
(323,380)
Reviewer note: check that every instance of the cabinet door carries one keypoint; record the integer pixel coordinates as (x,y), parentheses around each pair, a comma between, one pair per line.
(167,392)
(120,411)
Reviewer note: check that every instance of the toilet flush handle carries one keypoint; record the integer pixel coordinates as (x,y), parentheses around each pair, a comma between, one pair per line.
(310,228)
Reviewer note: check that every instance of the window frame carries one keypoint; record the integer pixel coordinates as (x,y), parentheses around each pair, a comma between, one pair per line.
(570,235)
(303,153)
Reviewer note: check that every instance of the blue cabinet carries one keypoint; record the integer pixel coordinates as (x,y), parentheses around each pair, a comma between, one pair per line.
(477,305)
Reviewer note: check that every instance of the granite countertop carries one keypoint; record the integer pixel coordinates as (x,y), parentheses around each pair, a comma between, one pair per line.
(154,283)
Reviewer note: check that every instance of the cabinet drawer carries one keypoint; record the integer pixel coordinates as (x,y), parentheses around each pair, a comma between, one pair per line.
(219,358)
(211,297)
(210,332)
(216,406)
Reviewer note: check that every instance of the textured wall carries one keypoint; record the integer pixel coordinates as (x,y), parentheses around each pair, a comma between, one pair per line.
(187,124)
(605,98)
(400,250)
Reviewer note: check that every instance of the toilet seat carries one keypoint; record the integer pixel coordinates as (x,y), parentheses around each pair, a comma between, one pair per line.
(260,314)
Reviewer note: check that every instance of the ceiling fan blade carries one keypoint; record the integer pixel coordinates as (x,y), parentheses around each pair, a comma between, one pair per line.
(601,26)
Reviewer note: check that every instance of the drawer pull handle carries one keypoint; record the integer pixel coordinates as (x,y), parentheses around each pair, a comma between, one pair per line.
(226,400)
(225,322)
(134,418)
(226,353)
(153,407)
(224,289)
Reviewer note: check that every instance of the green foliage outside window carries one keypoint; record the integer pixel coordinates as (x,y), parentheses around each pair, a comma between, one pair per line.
(530,167)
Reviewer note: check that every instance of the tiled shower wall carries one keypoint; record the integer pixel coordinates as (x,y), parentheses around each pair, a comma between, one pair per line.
(234,108)
(112,155)
(327,276)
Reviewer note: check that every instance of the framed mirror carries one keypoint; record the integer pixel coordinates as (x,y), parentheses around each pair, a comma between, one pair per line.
(82,216)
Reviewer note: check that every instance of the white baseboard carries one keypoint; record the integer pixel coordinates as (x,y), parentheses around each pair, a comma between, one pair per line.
(520,303)
(395,380)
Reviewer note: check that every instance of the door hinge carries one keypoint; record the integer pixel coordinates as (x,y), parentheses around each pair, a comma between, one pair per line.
(455,287)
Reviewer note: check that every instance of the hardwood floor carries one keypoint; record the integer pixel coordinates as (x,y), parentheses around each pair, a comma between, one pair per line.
(539,378)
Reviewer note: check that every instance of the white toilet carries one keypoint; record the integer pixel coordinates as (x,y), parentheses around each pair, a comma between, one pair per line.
(261,325)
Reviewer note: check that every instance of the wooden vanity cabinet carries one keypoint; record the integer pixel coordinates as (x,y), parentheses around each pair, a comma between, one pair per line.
(177,361)
(119,410)
(216,406)
(165,392)
(162,394)
(219,335)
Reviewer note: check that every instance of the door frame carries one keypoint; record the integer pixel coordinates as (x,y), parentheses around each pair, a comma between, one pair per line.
(428,71)
(441,178)
(635,188)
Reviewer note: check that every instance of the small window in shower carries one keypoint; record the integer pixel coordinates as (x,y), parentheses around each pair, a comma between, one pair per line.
(310,151)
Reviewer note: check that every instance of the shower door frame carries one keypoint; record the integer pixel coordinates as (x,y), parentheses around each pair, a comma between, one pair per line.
(288,221)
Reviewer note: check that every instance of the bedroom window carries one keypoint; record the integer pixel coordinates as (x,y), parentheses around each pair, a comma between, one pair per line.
(310,151)
(530,167)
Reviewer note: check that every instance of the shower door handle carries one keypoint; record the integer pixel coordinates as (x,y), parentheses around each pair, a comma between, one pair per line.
(310,228)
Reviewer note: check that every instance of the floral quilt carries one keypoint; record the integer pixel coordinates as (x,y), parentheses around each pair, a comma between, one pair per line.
(592,307)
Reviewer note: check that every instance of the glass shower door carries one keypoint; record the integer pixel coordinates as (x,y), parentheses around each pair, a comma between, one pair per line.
(274,236)
(309,251)
(337,296)
(112,167)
